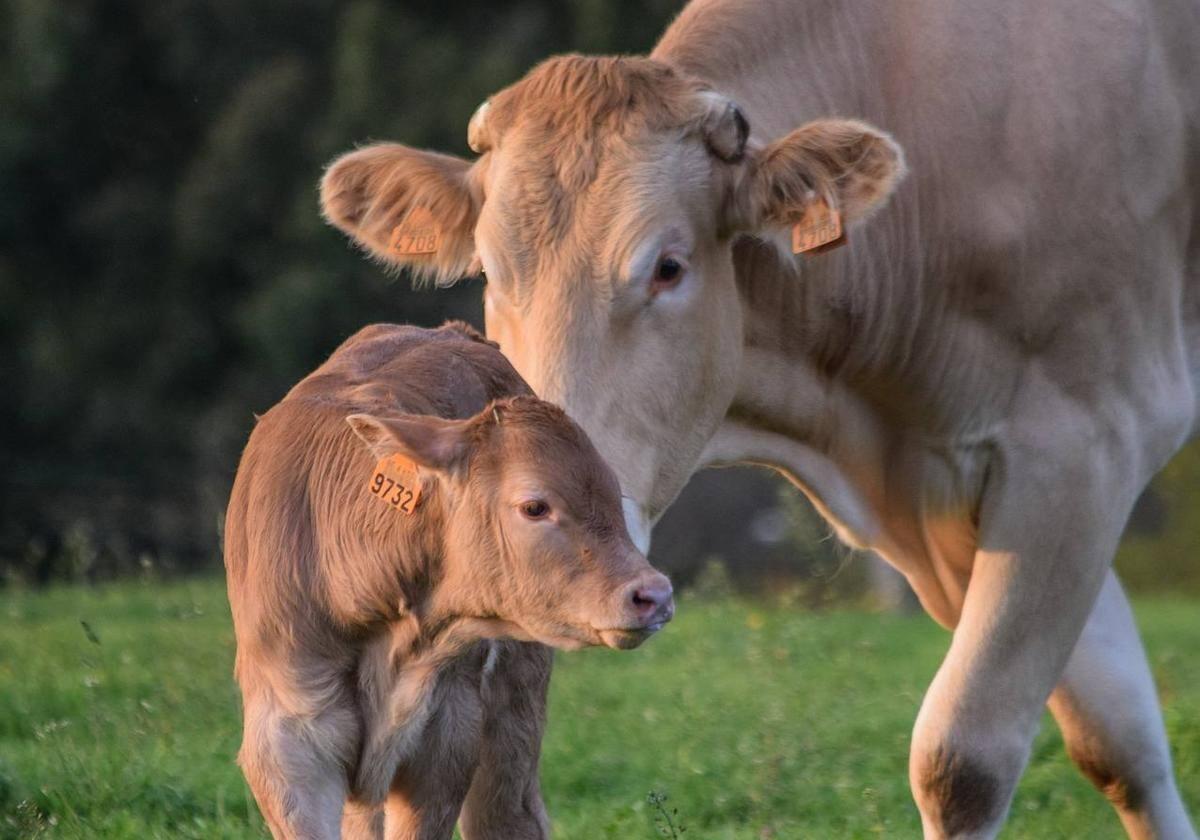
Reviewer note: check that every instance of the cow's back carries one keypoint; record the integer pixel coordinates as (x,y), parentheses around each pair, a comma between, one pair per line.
(307,551)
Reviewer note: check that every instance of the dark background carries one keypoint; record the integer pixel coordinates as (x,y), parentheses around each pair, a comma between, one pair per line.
(164,271)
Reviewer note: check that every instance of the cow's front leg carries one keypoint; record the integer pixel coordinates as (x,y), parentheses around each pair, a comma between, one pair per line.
(505,801)
(1036,573)
(1109,714)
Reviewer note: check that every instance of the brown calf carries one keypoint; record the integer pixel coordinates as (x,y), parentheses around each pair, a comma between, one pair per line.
(405,527)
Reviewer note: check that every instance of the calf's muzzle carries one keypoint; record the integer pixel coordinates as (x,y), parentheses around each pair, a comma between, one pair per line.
(646,604)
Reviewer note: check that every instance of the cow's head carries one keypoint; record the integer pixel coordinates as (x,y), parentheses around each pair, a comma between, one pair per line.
(603,209)
(534,540)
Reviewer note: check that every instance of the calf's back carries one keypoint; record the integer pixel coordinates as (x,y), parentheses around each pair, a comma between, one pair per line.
(311,557)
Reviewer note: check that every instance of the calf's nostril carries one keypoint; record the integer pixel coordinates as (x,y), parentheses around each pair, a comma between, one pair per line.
(651,598)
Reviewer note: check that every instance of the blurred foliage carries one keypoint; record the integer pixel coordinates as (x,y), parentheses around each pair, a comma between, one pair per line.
(164,271)
(1161,550)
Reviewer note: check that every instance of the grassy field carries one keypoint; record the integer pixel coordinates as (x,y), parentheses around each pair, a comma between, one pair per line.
(118,718)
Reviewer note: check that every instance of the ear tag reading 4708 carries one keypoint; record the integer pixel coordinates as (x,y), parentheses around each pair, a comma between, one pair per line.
(820,230)
(417,234)
(395,482)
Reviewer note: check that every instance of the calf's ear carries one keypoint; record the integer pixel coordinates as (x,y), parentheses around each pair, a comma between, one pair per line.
(406,207)
(430,442)
(844,165)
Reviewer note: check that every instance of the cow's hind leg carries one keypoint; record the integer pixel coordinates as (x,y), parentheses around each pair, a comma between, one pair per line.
(297,768)
(1034,579)
(1109,714)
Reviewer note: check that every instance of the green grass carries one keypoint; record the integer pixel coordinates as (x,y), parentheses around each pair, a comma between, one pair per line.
(756,722)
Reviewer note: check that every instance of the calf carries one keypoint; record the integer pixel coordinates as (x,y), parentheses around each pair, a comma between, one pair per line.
(405,528)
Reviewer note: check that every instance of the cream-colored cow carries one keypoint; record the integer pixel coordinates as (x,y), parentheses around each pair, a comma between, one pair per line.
(977,386)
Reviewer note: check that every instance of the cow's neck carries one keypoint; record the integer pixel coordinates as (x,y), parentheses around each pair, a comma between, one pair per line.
(796,407)
(833,393)
(860,367)
(784,62)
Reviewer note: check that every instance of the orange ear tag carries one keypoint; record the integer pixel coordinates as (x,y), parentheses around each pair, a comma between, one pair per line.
(820,230)
(417,234)
(395,482)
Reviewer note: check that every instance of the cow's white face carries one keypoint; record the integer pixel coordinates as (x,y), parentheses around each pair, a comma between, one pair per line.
(603,212)
(630,320)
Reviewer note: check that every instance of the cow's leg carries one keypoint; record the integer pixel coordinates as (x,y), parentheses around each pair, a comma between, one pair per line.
(505,801)
(297,768)
(1035,576)
(1109,714)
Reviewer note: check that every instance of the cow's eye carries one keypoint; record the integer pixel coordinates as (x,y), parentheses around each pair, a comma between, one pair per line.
(535,509)
(668,272)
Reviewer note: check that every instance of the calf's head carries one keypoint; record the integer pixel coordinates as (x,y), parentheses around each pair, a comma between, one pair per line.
(603,209)
(534,541)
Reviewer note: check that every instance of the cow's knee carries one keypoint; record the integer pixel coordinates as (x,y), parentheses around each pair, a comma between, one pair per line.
(962,791)
(1122,781)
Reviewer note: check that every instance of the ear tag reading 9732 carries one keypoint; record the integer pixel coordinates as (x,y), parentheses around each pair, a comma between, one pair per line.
(417,234)
(820,230)
(395,482)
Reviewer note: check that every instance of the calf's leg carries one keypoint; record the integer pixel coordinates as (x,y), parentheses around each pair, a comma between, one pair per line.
(428,789)
(361,821)
(1108,711)
(505,800)
(297,768)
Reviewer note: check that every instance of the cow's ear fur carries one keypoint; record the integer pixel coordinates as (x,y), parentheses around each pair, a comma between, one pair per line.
(430,442)
(370,192)
(851,165)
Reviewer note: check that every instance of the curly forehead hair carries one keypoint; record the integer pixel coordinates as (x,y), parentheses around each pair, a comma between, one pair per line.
(537,430)
(574,94)
(534,415)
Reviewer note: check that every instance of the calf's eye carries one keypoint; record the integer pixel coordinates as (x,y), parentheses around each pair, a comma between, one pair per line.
(536,509)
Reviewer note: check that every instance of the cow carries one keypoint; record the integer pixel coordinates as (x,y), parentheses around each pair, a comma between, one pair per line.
(408,530)
(973,369)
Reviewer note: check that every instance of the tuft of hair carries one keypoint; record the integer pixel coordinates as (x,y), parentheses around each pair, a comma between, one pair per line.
(529,412)
(574,103)
(465,329)
(574,94)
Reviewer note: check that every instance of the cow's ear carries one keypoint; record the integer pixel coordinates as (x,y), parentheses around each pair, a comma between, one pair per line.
(430,442)
(844,165)
(406,207)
